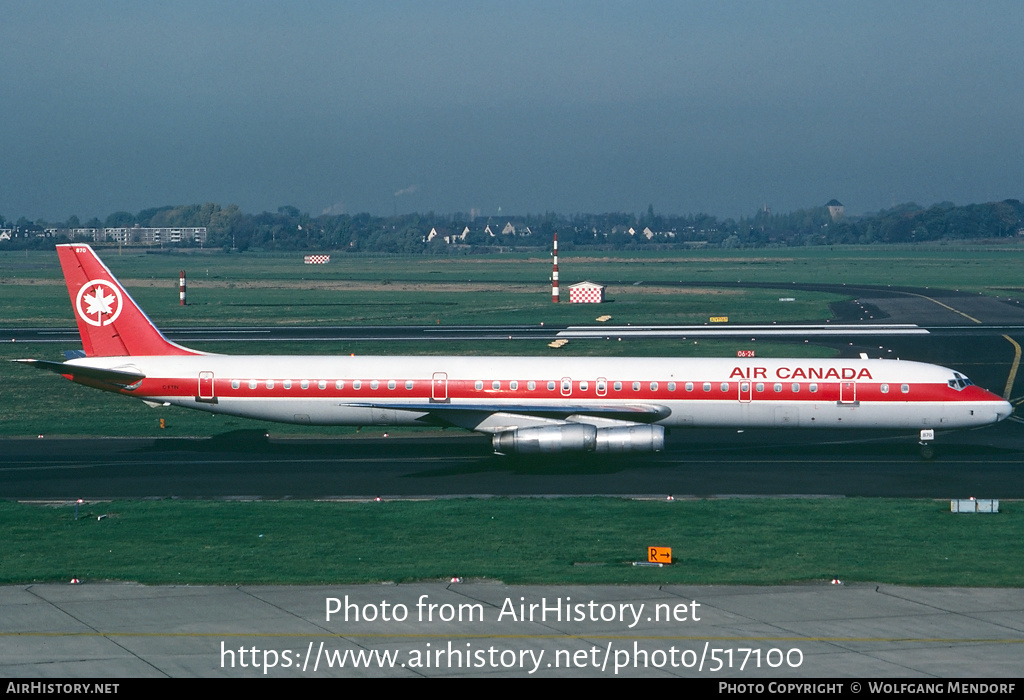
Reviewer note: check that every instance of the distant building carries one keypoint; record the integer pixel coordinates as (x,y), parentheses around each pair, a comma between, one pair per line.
(156,236)
(835,209)
(137,235)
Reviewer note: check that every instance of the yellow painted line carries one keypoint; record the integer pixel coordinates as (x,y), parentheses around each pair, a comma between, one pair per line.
(1013,367)
(970,318)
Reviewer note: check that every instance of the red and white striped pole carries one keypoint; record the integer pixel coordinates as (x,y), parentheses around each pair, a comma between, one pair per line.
(554,273)
(181,289)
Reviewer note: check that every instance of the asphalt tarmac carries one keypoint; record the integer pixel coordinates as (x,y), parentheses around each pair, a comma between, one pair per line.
(982,463)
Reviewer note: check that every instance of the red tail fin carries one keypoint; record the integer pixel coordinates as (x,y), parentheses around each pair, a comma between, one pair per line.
(110,322)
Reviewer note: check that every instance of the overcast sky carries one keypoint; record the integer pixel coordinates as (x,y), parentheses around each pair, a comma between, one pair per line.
(592,106)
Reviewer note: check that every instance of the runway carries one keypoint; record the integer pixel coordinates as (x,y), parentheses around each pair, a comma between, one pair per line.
(981,463)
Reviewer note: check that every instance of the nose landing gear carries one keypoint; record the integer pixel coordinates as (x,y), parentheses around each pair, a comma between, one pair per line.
(926,441)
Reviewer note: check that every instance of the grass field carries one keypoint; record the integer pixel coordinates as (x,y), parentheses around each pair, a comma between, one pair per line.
(734,541)
(976,267)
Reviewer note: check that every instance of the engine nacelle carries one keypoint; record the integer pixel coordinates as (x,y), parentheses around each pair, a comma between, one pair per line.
(631,438)
(556,438)
(578,437)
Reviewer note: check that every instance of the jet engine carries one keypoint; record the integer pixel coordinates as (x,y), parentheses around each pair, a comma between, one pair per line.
(577,437)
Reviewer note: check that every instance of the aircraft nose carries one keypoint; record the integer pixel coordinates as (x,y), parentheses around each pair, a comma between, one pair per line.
(1003,411)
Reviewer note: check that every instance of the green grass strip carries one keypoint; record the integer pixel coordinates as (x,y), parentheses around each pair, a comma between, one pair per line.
(557,541)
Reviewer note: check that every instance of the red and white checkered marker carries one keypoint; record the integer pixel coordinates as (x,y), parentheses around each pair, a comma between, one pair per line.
(316,259)
(586,294)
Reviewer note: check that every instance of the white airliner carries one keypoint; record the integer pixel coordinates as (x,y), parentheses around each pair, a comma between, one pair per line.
(527,404)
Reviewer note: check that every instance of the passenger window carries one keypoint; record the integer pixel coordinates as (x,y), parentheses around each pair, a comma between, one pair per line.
(357,385)
(671,386)
(495,385)
(408,385)
(777,388)
(479,386)
(339,385)
(617,386)
(321,385)
(689,386)
(391,384)
(885,388)
(905,388)
(532,386)
(796,388)
(252,383)
(513,385)
(707,386)
(654,386)
(234,384)
(725,387)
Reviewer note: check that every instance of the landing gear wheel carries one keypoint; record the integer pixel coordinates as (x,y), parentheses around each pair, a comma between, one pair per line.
(925,441)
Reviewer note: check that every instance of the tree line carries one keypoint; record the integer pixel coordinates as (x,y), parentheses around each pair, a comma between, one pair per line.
(291,229)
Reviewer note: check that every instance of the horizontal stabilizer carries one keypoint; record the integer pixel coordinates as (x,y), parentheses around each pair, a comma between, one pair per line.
(108,376)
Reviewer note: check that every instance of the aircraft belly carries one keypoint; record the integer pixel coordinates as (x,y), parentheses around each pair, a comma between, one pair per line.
(306,411)
(707,414)
(825,414)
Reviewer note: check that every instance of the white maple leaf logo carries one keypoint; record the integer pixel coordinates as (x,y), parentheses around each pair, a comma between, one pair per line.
(98,303)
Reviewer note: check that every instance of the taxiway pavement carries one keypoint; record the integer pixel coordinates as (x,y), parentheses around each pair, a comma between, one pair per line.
(856,632)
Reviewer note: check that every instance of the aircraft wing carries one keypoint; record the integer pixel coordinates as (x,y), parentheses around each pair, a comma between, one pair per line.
(115,377)
(470,414)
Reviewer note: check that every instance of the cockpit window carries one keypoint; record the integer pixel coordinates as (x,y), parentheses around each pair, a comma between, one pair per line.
(959,381)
